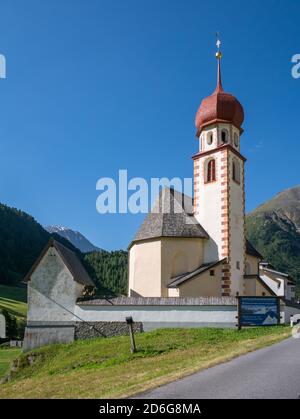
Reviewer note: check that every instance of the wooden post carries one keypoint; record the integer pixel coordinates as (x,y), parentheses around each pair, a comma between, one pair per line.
(129,321)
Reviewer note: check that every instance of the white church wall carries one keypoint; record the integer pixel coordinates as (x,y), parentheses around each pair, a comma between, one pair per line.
(236,223)
(145,268)
(209,208)
(178,256)
(154,317)
(52,292)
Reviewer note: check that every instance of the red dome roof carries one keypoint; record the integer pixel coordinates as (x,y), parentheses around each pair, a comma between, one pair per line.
(219,107)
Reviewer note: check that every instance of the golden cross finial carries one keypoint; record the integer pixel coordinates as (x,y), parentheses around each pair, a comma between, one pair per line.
(218,53)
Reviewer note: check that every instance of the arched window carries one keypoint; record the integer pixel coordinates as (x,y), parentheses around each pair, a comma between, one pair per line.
(236,171)
(211,171)
(210,138)
(236,140)
(224,136)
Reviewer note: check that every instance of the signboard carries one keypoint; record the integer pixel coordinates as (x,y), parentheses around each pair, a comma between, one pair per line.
(259,311)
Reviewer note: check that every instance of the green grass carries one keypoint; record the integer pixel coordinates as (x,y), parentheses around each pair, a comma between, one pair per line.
(6,357)
(104,368)
(14,300)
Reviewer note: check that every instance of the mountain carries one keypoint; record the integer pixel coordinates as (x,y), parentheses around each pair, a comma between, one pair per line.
(274,229)
(77,239)
(22,239)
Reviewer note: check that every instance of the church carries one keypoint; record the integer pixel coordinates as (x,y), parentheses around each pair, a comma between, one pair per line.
(190,247)
(188,261)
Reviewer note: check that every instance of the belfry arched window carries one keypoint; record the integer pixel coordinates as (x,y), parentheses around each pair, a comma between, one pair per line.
(224,136)
(236,140)
(210,138)
(211,171)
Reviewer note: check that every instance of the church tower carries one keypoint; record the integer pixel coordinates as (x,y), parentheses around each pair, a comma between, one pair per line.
(219,192)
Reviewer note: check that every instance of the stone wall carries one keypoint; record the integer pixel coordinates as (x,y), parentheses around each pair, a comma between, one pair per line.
(104,329)
(37,336)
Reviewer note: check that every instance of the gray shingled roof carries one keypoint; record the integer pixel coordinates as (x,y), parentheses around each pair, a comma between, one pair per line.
(171,216)
(160,301)
(189,275)
(70,259)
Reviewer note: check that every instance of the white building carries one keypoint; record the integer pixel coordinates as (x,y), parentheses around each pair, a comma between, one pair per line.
(281,284)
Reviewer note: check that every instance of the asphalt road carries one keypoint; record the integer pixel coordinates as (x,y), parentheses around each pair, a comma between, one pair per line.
(269,373)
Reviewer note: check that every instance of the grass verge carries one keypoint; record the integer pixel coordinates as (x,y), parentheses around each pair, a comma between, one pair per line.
(13,300)
(104,368)
(6,357)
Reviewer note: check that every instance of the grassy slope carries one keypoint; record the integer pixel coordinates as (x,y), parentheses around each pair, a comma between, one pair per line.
(14,300)
(104,368)
(6,357)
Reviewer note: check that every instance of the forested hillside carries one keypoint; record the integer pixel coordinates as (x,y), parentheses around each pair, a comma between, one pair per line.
(22,239)
(109,270)
(274,229)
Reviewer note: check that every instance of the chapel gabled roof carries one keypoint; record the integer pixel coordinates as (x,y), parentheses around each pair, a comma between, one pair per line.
(71,260)
(180,279)
(171,216)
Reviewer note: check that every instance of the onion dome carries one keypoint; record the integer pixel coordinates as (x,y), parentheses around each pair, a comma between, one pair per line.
(219,107)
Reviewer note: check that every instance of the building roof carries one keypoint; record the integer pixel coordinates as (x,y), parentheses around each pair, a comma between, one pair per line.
(277,273)
(189,275)
(251,251)
(171,216)
(71,261)
(160,301)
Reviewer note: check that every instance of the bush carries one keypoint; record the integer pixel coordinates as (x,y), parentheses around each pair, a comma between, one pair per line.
(14,328)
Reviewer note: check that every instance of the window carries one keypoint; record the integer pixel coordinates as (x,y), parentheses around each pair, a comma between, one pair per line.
(210,137)
(211,171)
(236,140)
(224,136)
(238,265)
(236,171)
(212,273)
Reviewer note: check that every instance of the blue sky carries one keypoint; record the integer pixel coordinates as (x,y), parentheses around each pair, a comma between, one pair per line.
(101,85)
